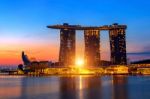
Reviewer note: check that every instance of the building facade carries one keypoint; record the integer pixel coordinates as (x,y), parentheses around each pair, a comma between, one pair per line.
(92,47)
(118,46)
(67,47)
(92,44)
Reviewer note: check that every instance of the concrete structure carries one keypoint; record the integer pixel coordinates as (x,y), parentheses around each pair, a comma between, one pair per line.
(92,47)
(67,47)
(92,43)
(25,59)
(118,45)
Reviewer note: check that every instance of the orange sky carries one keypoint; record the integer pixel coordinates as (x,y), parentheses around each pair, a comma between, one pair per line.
(47,48)
(10,50)
(23,26)
(10,54)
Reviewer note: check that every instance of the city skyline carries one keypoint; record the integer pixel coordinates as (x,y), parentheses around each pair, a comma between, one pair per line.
(23,26)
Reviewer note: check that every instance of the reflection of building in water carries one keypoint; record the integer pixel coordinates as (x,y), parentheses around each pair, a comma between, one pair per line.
(120,87)
(11,91)
(73,87)
(93,90)
(39,88)
(68,88)
(80,88)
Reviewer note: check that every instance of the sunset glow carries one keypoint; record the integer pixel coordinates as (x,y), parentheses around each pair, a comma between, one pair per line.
(23,27)
(79,62)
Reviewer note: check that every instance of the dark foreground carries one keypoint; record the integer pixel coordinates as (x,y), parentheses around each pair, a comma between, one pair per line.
(75,87)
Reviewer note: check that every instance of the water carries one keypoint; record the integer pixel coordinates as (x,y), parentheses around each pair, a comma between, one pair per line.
(75,87)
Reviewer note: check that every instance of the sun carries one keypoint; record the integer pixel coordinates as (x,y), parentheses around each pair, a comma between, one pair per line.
(79,62)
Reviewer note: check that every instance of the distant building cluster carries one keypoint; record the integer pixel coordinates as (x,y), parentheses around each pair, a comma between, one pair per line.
(35,65)
(92,47)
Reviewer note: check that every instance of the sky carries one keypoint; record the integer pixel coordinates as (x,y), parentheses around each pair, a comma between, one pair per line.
(23,26)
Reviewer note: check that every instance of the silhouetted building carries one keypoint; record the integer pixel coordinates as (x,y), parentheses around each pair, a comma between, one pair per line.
(120,93)
(67,46)
(118,45)
(34,66)
(92,47)
(92,43)
(38,65)
(146,61)
(105,63)
(25,59)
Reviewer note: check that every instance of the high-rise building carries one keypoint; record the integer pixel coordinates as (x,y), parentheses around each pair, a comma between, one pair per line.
(67,46)
(118,45)
(92,47)
(92,43)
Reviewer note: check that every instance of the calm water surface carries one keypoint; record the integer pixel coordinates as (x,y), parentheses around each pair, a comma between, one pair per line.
(75,87)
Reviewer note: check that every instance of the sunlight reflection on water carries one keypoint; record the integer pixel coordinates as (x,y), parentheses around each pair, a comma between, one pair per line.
(75,87)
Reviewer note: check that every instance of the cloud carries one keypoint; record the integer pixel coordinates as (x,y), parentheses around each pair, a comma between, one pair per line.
(136,56)
(144,51)
(139,53)
(147,48)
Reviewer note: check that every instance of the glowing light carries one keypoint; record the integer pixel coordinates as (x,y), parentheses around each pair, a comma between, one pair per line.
(79,62)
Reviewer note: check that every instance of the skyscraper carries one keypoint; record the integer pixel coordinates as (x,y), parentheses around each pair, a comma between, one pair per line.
(67,46)
(92,47)
(92,43)
(118,45)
